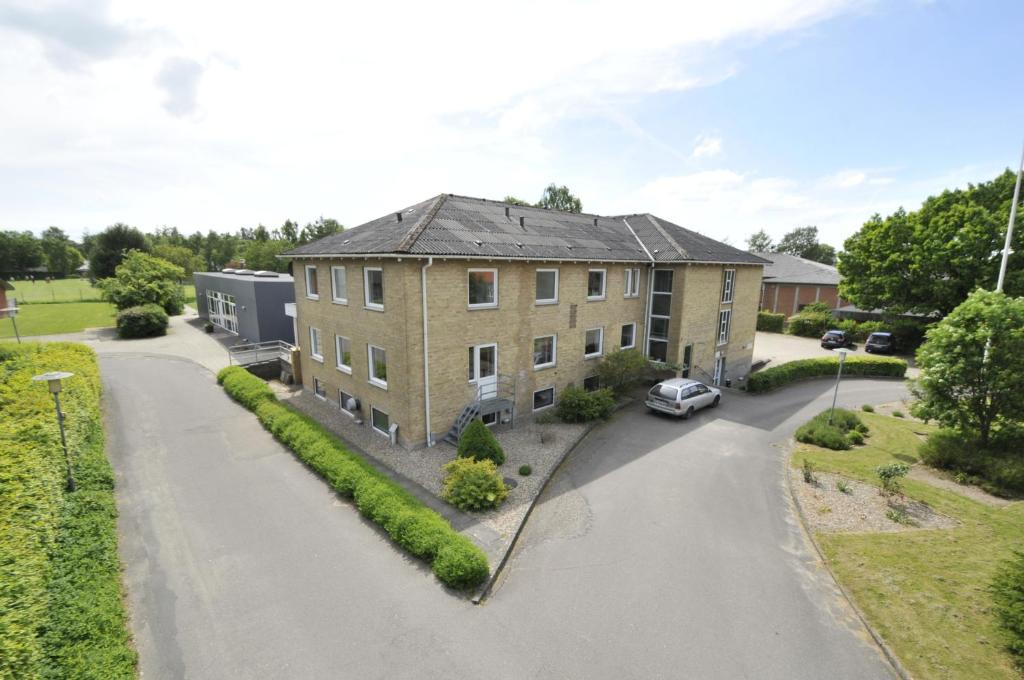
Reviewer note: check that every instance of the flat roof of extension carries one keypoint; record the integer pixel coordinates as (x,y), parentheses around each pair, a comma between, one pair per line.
(285,278)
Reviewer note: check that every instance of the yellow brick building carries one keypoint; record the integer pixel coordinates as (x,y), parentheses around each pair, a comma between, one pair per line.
(409,322)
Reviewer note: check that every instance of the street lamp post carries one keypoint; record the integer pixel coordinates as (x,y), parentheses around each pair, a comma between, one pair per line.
(52,379)
(835,395)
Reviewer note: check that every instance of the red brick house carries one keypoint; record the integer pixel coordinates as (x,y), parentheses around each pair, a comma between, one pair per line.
(790,283)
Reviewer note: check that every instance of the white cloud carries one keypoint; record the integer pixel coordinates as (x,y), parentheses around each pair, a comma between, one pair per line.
(706,147)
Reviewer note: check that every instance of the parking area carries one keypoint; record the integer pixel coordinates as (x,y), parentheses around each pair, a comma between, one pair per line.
(779,348)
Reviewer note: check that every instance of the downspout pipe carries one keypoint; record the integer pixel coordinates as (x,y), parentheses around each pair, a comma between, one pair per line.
(426,351)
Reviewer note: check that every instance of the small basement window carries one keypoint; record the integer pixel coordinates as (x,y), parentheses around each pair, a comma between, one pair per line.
(319,389)
(380,421)
(543,398)
(592,383)
(343,401)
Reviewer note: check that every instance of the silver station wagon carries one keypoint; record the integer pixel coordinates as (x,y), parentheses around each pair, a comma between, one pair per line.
(681,397)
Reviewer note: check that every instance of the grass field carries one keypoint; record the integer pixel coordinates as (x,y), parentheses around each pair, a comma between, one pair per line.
(69,317)
(67,290)
(924,591)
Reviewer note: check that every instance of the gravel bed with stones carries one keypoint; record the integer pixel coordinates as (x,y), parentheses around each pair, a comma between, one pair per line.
(863,509)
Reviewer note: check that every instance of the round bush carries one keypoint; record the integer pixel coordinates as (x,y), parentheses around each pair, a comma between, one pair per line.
(478,442)
(461,565)
(145,321)
(576,405)
(525,470)
(473,484)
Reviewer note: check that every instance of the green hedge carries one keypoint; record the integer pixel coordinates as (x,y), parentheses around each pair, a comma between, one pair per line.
(802,369)
(145,321)
(457,562)
(1008,592)
(845,431)
(61,602)
(810,324)
(770,322)
(576,405)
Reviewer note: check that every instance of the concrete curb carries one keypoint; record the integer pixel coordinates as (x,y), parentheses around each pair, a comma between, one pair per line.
(890,656)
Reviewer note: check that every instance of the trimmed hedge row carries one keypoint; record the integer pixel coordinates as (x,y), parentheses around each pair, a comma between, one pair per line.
(61,603)
(145,321)
(770,322)
(457,562)
(802,369)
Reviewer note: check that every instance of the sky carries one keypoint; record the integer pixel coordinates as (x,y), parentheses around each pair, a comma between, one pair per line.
(725,117)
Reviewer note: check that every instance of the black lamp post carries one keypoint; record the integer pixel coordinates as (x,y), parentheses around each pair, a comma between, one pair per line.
(52,379)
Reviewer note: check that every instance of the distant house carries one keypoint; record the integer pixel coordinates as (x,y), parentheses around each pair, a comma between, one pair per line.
(790,283)
(248,304)
(83,269)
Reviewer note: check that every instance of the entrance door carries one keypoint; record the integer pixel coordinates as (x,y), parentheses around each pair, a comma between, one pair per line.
(719,369)
(483,370)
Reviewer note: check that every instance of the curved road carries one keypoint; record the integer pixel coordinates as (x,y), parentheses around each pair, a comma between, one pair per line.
(661,549)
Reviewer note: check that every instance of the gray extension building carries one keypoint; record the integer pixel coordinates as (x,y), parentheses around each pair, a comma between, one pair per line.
(249,304)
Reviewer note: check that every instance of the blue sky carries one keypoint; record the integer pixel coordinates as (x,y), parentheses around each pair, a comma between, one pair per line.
(771,114)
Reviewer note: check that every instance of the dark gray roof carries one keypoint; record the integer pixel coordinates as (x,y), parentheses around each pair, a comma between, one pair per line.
(450,225)
(792,269)
(287,278)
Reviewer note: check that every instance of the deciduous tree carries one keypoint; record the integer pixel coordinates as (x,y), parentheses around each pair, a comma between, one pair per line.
(760,242)
(143,279)
(803,242)
(560,198)
(110,247)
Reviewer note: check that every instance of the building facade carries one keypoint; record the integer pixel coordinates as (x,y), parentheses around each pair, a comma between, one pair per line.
(407,320)
(791,283)
(248,304)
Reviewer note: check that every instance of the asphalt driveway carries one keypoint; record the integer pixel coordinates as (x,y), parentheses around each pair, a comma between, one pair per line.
(662,549)
(779,348)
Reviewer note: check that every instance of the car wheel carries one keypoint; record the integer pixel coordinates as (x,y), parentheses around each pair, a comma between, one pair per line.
(689,413)
(714,404)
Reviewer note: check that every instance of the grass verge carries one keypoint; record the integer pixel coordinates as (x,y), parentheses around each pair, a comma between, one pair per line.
(61,609)
(68,317)
(456,561)
(925,592)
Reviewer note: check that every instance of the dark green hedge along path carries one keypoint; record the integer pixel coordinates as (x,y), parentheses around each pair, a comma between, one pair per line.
(457,562)
(802,369)
(61,607)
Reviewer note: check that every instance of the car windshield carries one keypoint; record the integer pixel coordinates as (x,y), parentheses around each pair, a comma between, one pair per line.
(665,392)
(833,335)
(881,339)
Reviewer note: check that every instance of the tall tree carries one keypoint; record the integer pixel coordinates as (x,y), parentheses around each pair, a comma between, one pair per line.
(110,246)
(760,242)
(59,252)
(932,259)
(179,255)
(19,251)
(517,201)
(318,229)
(263,255)
(560,198)
(803,242)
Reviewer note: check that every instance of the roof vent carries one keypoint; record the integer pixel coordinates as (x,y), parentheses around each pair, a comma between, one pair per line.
(244,272)
(569,247)
(399,216)
(595,221)
(227,270)
(346,242)
(479,243)
(506,212)
(518,244)
(266,274)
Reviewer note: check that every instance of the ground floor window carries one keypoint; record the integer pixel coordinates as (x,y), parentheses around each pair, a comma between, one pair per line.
(347,402)
(380,421)
(220,308)
(687,359)
(543,398)
(489,418)
(592,383)
(658,350)
(628,338)
(319,389)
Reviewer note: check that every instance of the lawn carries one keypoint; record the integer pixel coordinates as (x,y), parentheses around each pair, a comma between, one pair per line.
(67,290)
(69,317)
(924,591)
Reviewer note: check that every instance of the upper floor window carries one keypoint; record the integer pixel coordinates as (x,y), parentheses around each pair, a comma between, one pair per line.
(378,359)
(594,343)
(724,322)
(632,282)
(727,284)
(595,284)
(547,286)
(373,287)
(339,285)
(316,346)
(312,289)
(343,353)
(544,351)
(483,288)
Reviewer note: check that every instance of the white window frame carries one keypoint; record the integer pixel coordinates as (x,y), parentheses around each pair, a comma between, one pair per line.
(543,408)
(600,343)
(633,344)
(373,425)
(341,402)
(728,285)
(546,301)
(554,351)
(724,325)
(343,367)
(632,287)
(335,298)
(383,384)
(482,305)
(316,295)
(604,284)
(314,332)
(376,306)
(318,383)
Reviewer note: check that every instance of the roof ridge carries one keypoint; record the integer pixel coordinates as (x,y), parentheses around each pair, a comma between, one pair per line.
(663,232)
(409,240)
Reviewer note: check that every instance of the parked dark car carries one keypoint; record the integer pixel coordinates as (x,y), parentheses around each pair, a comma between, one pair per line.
(880,343)
(833,339)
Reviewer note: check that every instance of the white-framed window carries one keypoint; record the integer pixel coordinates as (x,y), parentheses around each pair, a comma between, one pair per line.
(319,389)
(380,421)
(547,287)
(593,344)
(343,354)
(483,288)
(316,345)
(339,286)
(343,401)
(373,288)
(632,282)
(544,351)
(312,287)
(728,280)
(596,279)
(544,398)
(724,321)
(592,383)
(628,338)
(378,365)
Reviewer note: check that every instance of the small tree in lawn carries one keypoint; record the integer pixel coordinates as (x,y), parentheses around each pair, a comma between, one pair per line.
(971,366)
(621,370)
(891,475)
(478,442)
(142,279)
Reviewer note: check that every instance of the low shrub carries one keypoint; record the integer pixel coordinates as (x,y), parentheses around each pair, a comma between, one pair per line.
(899,515)
(478,442)
(576,405)
(620,370)
(803,369)
(845,430)
(525,470)
(855,437)
(473,485)
(456,561)
(145,321)
(868,408)
(897,414)
(1008,592)
(810,324)
(842,486)
(808,471)
(890,476)
(770,322)
(999,469)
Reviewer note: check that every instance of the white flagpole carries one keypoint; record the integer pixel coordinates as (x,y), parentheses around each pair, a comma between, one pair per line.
(1009,228)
